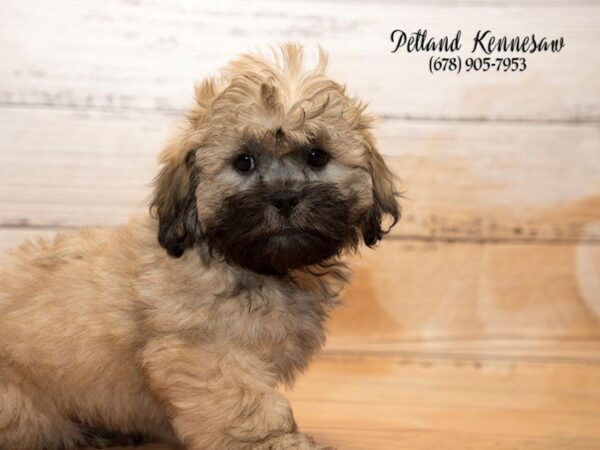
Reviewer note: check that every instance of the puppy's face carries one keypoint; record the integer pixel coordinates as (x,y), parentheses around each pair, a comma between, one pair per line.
(272,200)
(276,171)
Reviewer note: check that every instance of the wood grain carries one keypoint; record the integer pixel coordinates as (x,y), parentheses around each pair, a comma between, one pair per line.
(449,400)
(467,181)
(468,290)
(132,55)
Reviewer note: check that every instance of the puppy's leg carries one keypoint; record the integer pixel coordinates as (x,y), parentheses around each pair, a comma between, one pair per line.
(224,400)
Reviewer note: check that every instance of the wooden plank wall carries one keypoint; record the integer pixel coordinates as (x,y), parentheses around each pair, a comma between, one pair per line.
(476,324)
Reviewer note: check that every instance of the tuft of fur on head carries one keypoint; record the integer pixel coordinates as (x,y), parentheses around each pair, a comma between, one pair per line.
(275,110)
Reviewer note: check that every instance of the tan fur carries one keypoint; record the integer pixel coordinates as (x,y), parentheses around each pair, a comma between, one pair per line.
(102,330)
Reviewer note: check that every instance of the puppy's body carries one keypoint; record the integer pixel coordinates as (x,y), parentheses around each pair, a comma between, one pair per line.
(104,334)
(94,326)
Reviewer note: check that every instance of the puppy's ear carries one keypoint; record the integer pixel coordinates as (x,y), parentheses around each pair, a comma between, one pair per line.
(384,196)
(174,202)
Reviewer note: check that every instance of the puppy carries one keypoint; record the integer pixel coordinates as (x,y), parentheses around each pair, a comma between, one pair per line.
(181,325)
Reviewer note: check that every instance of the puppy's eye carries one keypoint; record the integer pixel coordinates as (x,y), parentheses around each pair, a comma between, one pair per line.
(244,163)
(317,157)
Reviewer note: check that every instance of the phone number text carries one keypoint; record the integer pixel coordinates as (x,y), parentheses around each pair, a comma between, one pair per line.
(456,64)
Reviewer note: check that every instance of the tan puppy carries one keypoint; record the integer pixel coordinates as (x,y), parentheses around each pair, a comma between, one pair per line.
(106,337)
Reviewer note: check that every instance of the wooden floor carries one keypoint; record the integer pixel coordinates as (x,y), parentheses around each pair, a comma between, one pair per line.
(476,324)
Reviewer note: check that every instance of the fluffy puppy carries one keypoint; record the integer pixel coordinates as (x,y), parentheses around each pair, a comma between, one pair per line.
(110,335)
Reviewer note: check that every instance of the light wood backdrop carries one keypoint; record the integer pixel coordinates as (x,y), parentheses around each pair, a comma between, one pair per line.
(476,325)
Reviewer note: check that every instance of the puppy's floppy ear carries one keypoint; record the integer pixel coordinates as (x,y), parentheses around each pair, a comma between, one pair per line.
(384,196)
(174,202)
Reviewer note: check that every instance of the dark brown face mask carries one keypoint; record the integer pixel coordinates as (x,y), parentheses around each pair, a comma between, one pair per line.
(272,232)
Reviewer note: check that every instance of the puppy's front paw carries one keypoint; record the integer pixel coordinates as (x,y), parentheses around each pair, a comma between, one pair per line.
(297,441)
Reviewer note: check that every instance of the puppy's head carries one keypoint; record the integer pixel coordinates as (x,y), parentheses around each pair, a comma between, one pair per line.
(275,170)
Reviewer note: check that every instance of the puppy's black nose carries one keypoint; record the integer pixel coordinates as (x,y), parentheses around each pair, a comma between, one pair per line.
(284,201)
